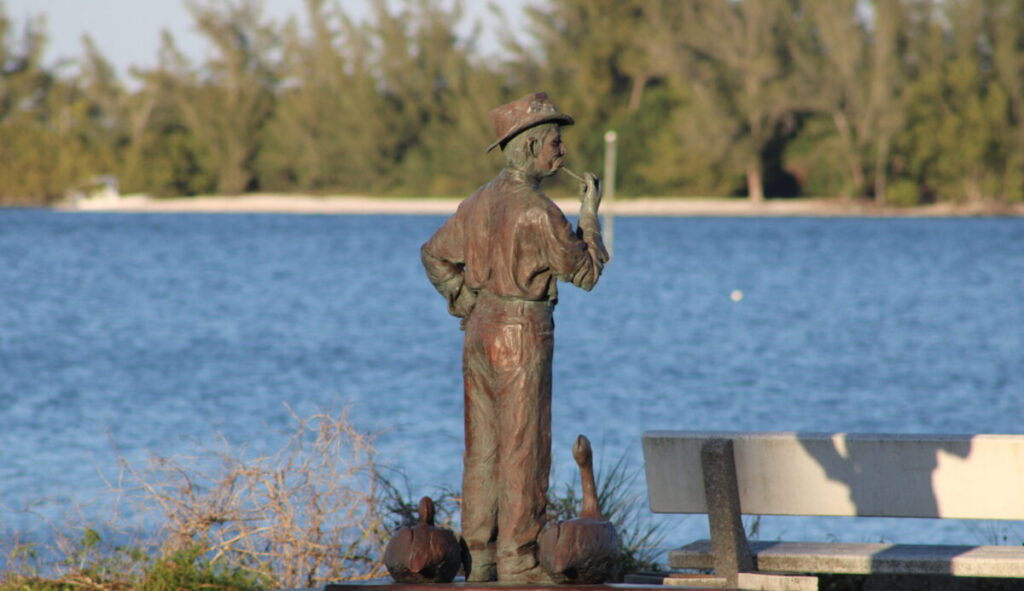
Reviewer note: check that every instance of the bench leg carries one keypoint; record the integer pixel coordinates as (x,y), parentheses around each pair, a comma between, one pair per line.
(729,548)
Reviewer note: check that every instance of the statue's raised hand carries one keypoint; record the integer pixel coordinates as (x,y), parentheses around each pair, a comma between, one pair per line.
(591,191)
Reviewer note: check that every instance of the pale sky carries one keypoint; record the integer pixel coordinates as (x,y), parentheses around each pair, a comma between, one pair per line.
(127,32)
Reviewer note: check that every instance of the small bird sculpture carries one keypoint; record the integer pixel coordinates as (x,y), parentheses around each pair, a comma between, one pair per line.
(423,553)
(584,550)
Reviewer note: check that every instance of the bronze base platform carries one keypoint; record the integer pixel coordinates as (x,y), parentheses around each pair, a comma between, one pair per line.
(459,584)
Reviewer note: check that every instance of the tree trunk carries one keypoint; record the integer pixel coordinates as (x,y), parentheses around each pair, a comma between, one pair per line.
(637,93)
(881,166)
(852,158)
(755,184)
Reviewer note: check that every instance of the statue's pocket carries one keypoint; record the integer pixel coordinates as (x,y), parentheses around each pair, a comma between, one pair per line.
(507,347)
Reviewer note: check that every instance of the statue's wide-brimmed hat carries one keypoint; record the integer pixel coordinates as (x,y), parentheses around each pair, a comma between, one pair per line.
(520,115)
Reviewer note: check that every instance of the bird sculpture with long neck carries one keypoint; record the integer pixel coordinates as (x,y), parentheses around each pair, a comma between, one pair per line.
(586,549)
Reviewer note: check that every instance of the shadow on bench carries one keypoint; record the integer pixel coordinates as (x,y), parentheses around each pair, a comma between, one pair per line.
(729,474)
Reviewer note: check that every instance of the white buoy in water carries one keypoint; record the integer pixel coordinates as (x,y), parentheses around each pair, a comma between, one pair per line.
(736,295)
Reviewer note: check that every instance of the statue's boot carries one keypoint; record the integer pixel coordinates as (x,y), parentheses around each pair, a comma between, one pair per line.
(522,569)
(479,563)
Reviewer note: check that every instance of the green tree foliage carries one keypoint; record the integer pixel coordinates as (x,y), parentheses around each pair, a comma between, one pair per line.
(398,104)
(87,114)
(163,155)
(441,95)
(685,146)
(1006,27)
(952,140)
(830,49)
(227,102)
(27,143)
(900,101)
(328,131)
(743,76)
(579,53)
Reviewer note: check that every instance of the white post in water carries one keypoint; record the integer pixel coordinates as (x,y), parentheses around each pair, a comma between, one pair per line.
(610,156)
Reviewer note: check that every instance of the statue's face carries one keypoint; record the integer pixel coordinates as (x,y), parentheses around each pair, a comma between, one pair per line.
(552,153)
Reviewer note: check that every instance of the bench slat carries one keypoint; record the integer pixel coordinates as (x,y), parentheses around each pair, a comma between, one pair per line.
(861,559)
(956,476)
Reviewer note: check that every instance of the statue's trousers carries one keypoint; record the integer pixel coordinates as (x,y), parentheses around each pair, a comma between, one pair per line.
(507,370)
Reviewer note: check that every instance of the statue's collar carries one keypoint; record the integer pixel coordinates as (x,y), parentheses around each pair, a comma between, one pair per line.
(518,175)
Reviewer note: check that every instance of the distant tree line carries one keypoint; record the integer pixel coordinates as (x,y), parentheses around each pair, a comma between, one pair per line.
(897,101)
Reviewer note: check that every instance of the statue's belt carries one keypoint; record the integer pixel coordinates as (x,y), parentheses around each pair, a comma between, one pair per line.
(487,301)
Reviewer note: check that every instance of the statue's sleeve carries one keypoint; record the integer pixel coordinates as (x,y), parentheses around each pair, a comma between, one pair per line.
(575,256)
(444,260)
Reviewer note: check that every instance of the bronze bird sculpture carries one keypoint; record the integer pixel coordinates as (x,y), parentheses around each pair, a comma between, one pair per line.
(584,550)
(423,553)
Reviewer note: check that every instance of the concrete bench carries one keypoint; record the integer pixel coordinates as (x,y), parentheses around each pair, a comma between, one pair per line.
(726,474)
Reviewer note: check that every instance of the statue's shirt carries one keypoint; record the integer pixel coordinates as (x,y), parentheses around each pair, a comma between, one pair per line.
(510,240)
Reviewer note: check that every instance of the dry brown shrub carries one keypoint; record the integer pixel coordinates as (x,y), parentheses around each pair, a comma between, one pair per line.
(305,515)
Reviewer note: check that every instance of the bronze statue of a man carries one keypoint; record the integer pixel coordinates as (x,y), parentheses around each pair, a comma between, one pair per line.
(496,261)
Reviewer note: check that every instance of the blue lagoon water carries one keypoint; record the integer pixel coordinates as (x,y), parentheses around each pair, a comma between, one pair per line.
(130,334)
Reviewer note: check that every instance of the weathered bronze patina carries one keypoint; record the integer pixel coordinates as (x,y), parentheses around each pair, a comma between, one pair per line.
(584,550)
(496,261)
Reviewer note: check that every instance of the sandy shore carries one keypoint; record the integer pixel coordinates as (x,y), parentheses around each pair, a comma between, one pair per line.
(662,206)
